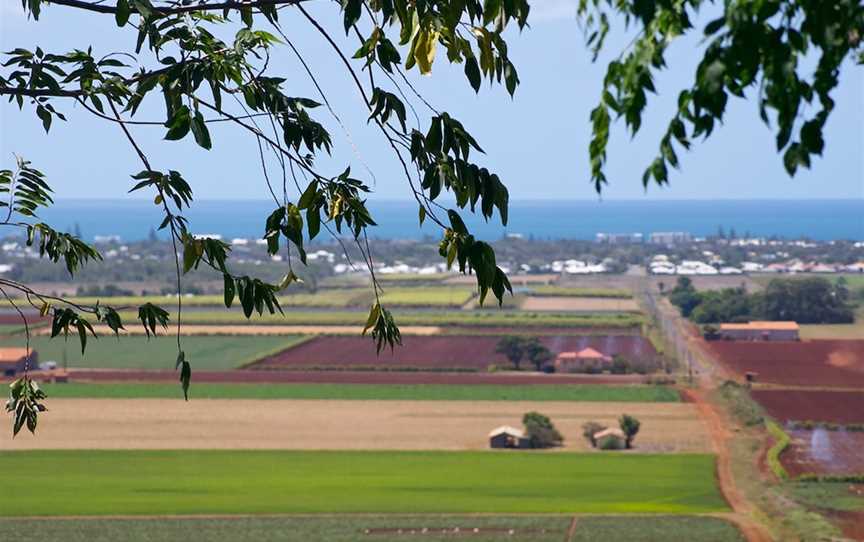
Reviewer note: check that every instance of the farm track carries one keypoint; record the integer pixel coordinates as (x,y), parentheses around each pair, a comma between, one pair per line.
(719,434)
(351,377)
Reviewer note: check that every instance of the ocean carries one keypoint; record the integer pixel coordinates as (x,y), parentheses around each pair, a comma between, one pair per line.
(583,219)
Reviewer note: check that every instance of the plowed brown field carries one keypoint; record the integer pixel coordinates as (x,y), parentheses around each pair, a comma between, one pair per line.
(841,407)
(803,363)
(441,352)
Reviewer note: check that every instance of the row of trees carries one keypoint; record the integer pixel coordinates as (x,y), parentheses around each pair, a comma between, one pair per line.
(813,300)
(517,348)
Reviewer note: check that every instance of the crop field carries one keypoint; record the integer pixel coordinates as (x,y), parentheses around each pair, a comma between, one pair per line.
(381,392)
(842,407)
(136,352)
(441,352)
(381,375)
(99,482)
(573,291)
(400,528)
(805,363)
(340,425)
(481,319)
(426,296)
(579,304)
(821,451)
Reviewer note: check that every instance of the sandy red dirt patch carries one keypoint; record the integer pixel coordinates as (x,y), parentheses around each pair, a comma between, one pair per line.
(339,425)
(441,352)
(802,363)
(352,377)
(841,407)
(821,451)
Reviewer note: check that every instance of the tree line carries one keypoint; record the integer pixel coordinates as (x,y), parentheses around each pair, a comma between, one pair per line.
(812,300)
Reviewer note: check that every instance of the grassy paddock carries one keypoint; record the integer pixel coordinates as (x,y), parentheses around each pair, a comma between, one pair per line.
(421,392)
(426,296)
(571,291)
(351,528)
(100,482)
(494,318)
(136,352)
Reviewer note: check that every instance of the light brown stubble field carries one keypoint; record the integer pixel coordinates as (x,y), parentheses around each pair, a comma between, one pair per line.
(321,424)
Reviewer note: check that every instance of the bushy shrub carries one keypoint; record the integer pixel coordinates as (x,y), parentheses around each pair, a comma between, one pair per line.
(610,442)
(782,440)
(630,426)
(540,431)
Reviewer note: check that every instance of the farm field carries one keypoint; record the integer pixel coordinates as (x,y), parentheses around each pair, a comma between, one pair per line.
(98,482)
(835,331)
(441,352)
(579,304)
(348,528)
(426,296)
(821,451)
(494,318)
(805,363)
(380,392)
(843,407)
(341,425)
(137,352)
(394,376)
(574,291)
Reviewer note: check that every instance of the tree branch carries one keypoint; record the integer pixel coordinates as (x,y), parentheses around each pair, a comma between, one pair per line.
(230,4)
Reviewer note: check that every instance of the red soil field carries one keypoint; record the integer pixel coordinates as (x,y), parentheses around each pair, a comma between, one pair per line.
(826,363)
(824,452)
(841,407)
(350,377)
(441,351)
(13,318)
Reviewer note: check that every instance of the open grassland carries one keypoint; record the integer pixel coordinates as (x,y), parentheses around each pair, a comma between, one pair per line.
(579,304)
(383,528)
(136,352)
(381,392)
(93,482)
(573,291)
(492,318)
(836,331)
(426,296)
(340,425)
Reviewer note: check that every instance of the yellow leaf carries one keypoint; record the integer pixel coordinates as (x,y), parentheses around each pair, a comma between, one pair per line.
(424,50)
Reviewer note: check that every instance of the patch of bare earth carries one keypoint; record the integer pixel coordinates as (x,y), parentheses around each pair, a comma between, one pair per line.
(322,424)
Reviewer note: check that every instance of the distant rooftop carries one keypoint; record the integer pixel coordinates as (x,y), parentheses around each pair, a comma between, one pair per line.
(761,325)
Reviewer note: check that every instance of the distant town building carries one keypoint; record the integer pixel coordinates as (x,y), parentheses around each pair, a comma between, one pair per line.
(13,360)
(620,238)
(669,237)
(760,331)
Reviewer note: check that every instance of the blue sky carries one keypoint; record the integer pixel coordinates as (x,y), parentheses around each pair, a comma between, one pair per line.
(537,142)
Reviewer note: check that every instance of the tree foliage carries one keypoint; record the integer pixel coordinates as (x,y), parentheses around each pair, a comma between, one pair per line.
(762,47)
(630,427)
(541,431)
(209,62)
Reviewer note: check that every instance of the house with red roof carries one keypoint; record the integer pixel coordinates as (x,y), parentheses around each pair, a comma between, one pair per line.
(567,362)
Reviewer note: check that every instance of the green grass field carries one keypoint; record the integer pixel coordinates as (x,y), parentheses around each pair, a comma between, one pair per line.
(570,291)
(493,318)
(136,352)
(112,482)
(426,296)
(352,528)
(423,392)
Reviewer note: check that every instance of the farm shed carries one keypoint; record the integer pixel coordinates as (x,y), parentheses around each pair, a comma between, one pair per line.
(760,331)
(14,360)
(612,433)
(508,437)
(578,361)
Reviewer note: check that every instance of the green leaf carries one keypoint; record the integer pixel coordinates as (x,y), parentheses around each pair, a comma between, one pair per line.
(178,126)
(229,289)
(472,72)
(185,377)
(122,14)
(199,130)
